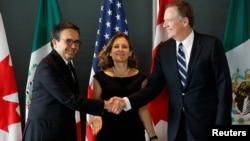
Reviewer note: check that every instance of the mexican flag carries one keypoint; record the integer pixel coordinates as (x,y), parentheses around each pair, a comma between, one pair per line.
(48,15)
(237,47)
(10,120)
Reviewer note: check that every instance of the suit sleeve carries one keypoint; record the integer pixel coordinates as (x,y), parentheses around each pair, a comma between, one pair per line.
(155,84)
(223,84)
(57,85)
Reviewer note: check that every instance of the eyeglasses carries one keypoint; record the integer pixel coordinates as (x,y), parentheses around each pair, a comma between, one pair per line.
(70,42)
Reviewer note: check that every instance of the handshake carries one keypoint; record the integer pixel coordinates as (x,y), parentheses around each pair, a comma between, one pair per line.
(115,105)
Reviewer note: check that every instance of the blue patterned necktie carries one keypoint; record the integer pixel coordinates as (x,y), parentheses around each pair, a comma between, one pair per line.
(181,61)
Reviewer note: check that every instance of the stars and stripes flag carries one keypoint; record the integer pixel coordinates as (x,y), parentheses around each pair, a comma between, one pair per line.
(10,120)
(160,118)
(112,19)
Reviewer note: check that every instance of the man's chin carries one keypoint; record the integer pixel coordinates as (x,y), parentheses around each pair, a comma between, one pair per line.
(70,57)
(170,35)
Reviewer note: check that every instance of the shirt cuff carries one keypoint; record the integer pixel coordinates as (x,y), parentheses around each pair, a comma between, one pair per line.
(128,105)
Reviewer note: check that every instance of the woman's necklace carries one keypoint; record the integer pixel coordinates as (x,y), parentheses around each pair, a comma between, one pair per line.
(116,73)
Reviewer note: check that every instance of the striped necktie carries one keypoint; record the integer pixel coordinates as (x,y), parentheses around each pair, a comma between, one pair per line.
(181,61)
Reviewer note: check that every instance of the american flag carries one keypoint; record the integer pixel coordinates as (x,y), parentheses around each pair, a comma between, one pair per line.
(112,19)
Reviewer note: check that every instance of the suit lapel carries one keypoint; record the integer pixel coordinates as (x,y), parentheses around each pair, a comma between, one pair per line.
(194,57)
(171,59)
(63,66)
(73,79)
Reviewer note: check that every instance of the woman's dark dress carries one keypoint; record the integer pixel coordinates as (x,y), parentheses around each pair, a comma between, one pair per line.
(127,126)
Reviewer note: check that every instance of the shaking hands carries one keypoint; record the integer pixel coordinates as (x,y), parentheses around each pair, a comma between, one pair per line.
(115,105)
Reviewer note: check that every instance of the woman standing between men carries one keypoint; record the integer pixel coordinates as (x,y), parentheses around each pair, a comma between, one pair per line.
(120,77)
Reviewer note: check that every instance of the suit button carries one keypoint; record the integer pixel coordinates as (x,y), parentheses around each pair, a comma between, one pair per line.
(183,94)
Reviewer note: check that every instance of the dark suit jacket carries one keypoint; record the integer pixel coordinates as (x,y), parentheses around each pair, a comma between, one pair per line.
(207,96)
(55,99)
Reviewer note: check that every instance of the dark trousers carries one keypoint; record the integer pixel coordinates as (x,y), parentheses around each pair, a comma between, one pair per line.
(184,133)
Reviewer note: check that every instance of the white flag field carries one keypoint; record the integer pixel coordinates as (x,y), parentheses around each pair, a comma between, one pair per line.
(237,47)
(10,120)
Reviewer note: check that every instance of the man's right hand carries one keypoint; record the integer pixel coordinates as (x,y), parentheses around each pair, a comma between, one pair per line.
(115,105)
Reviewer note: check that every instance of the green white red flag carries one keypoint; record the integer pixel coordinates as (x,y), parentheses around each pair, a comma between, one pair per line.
(237,47)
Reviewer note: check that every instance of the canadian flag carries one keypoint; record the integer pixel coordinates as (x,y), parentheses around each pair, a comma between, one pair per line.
(160,118)
(10,121)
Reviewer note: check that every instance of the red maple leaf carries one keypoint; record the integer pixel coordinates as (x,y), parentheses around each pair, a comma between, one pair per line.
(159,107)
(8,113)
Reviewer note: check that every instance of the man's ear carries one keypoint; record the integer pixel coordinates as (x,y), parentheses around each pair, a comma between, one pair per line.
(185,21)
(54,42)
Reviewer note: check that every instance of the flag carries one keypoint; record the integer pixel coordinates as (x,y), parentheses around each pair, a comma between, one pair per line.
(48,15)
(10,120)
(237,47)
(112,19)
(160,118)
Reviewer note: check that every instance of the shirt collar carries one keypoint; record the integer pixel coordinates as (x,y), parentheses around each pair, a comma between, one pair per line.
(188,42)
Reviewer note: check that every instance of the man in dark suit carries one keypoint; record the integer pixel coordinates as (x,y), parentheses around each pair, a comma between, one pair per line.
(201,95)
(56,95)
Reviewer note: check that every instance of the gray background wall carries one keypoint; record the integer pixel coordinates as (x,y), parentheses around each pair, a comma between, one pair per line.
(19,21)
